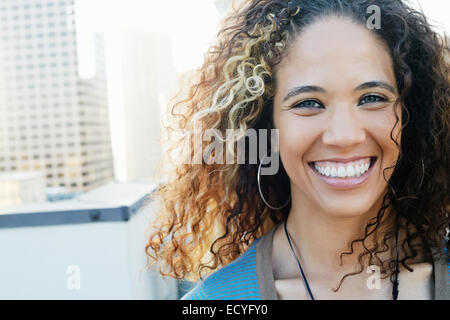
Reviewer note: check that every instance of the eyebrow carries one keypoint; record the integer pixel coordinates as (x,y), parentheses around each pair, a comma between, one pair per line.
(375,84)
(303,89)
(366,85)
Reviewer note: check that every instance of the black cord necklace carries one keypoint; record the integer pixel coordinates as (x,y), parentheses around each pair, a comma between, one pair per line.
(396,281)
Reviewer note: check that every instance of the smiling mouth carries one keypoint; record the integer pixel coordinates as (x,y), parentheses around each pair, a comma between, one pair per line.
(340,170)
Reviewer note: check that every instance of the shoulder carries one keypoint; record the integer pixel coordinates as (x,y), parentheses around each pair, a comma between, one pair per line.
(237,280)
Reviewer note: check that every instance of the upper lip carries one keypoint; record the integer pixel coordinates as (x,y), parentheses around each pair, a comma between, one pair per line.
(345,160)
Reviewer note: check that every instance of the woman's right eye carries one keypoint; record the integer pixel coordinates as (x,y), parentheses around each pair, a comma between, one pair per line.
(308,104)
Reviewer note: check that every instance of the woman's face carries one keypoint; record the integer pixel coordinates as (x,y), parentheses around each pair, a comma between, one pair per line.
(334,108)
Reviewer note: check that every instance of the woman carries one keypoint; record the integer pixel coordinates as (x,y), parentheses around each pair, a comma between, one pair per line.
(358,92)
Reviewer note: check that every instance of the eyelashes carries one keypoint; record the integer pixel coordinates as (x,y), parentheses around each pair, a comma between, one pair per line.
(372,98)
(309,104)
(316,104)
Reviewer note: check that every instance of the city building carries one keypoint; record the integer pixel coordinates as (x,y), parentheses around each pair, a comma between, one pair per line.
(22,187)
(51,120)
(148,80)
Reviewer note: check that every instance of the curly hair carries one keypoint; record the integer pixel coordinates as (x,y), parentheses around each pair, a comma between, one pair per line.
(209,213)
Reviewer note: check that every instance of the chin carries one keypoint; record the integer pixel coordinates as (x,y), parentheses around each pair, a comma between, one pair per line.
(348,207)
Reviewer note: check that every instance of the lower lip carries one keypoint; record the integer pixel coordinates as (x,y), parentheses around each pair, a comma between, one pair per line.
(345,183)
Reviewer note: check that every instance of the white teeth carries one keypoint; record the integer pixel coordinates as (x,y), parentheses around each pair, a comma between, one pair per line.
(350,171)
(343,171)
(333,172)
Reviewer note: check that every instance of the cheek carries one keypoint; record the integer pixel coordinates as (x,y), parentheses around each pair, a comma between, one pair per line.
(297,135)
(382,128)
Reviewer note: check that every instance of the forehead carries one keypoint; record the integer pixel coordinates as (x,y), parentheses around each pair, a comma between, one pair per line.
(335,49)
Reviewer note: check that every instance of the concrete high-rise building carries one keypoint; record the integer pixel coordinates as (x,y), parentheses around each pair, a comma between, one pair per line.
(22,187)
(148,80)
(51,119)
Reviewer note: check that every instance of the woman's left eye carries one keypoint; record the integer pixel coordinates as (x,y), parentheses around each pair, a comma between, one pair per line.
(371,99)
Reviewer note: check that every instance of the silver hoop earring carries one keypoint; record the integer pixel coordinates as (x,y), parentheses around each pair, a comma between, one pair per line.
(259,188)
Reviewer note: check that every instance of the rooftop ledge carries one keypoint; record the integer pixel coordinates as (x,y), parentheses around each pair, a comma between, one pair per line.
(115,201)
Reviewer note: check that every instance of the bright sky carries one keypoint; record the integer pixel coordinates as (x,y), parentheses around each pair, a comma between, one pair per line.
(191,24)
(437,11)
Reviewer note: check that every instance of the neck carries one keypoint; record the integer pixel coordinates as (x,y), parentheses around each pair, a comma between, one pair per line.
(320,237)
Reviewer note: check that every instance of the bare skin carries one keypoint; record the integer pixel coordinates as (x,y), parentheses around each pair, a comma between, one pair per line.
(417,285)
(337,121)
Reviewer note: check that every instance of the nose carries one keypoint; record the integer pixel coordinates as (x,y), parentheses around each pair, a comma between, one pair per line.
(344,128)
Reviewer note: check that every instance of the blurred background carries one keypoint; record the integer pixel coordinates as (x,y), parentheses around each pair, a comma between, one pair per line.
(83,85)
